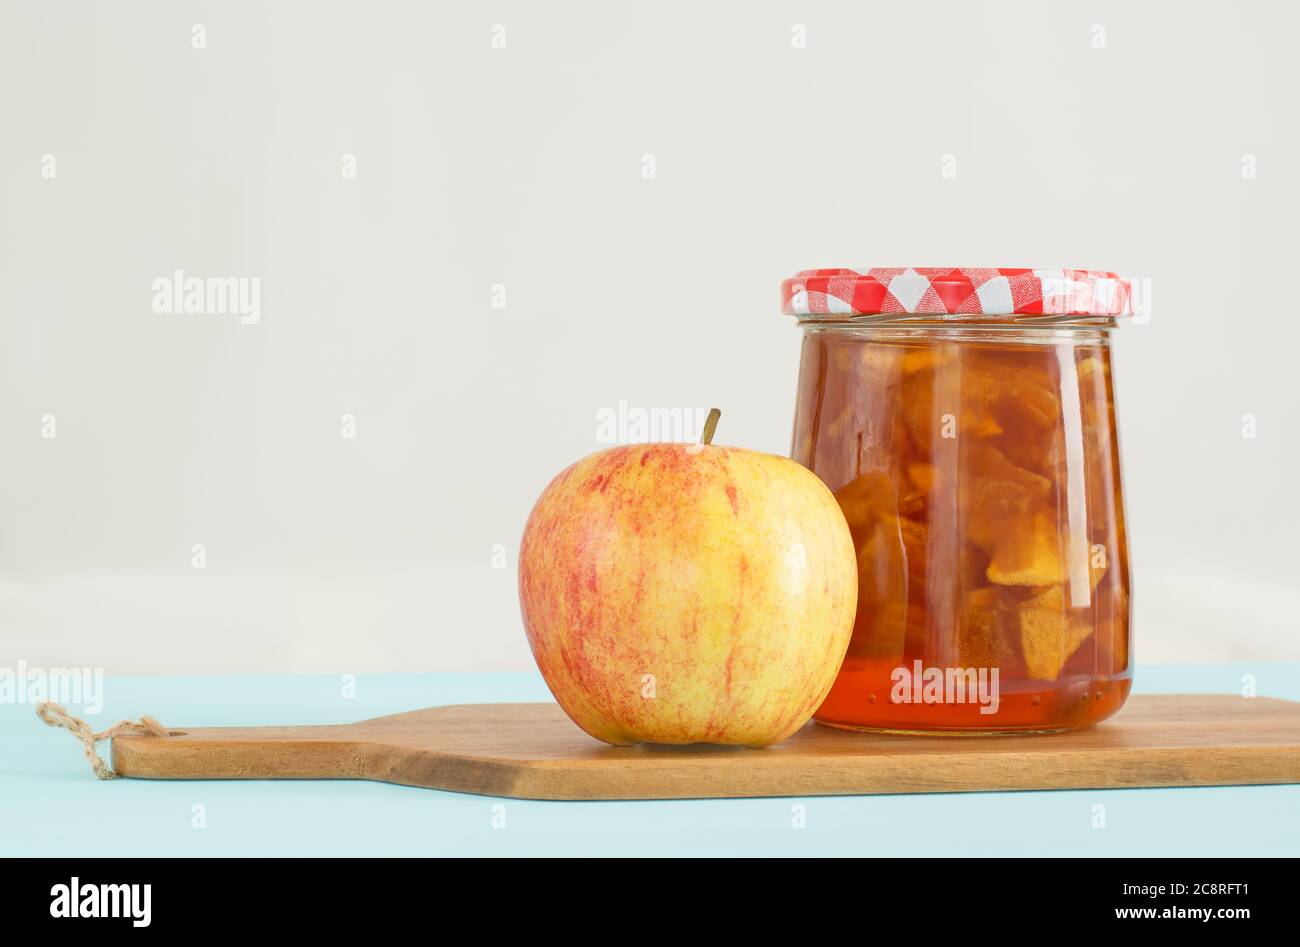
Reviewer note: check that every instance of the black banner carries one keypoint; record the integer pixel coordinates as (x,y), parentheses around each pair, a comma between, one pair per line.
(330,895)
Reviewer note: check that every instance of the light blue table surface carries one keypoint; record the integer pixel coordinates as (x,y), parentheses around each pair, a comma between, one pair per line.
(51,804)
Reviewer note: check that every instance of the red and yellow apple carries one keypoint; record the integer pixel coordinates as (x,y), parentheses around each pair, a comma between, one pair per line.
(677,593)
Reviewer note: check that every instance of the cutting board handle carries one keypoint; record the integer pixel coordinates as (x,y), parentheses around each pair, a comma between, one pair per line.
(245,753)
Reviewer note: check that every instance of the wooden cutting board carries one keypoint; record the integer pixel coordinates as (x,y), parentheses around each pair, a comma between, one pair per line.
(533,751)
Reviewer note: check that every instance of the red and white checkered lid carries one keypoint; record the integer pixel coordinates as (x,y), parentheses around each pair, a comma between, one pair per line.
(956,291)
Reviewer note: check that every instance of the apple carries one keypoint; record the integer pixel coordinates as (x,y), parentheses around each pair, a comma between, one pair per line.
(688,593)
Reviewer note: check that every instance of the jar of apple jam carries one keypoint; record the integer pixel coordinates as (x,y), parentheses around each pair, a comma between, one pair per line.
(965,420)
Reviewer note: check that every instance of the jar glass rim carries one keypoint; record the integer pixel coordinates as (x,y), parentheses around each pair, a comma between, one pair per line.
(962,320)
(904,333)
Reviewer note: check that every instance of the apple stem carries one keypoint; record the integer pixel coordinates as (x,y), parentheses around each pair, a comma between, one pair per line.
(710,425)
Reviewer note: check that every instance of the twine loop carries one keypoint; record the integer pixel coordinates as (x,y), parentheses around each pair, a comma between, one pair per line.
(56,716)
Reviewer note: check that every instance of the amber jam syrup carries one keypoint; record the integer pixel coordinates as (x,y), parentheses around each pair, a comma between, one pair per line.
(979,472)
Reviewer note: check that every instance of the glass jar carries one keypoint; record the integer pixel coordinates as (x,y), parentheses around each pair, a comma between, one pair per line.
(965,420)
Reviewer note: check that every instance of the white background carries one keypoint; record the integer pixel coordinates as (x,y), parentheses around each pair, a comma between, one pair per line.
(523,167)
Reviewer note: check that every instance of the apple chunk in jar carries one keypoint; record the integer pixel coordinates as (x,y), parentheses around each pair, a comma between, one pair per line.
(970,438)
